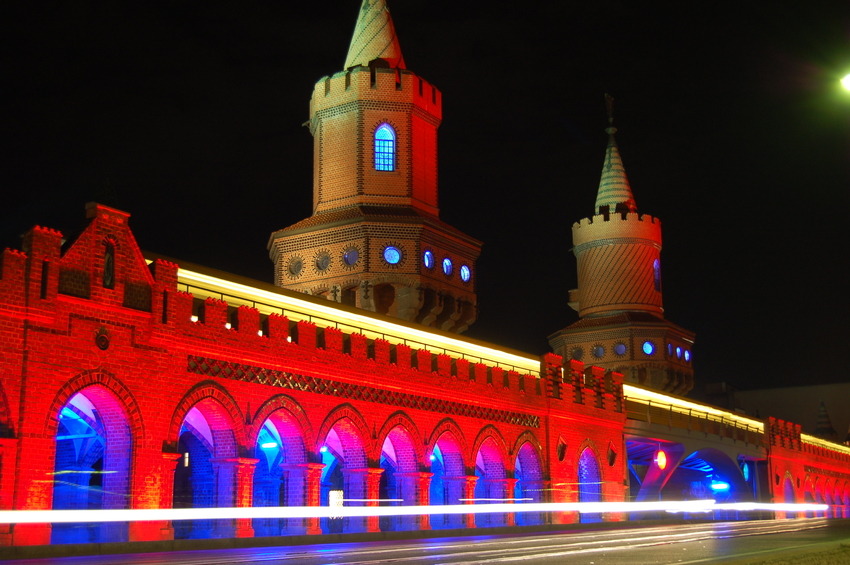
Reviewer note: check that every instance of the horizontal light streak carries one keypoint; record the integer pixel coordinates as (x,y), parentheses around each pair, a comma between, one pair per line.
(632,392)
(152,514)
(362,321)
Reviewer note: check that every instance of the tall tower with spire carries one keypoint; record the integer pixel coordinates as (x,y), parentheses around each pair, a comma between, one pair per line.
(621,322)
(375,240)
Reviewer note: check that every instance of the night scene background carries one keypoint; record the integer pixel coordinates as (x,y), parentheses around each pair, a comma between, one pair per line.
(732,128)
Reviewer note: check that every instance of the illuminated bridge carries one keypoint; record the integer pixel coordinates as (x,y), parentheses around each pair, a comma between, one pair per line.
(182,388)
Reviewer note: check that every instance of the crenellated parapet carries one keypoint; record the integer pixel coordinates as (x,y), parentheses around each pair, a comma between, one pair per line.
(625,227)
(377,87)
(783,434)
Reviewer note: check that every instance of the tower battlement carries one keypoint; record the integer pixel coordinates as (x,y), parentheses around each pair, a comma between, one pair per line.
(376,84)
(605,228)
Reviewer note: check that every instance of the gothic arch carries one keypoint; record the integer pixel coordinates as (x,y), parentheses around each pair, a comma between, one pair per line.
(449,426)
(491,433)
(353,426)
(221,412)
(402,420)
(104,382)
(272,405)
(527,437)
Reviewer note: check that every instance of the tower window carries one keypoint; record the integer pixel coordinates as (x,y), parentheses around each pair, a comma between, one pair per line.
(385,148)
(656,268)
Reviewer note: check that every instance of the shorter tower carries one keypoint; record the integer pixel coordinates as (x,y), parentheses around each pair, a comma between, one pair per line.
(621,322)
(375,240)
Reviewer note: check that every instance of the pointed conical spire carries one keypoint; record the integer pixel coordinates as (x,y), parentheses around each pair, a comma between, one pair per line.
(614,188)
(823,425)
(374,37)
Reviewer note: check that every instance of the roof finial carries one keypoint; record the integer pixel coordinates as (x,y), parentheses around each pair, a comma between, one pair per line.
(615,193)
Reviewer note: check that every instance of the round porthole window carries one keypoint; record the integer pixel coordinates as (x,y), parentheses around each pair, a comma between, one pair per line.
(465,273)
(597,351)
(323,261)
(620,349)
(577,353)
(648,347)
(687,356)
(392,254)
(350,256)
(447,266)
(295,266)
(428,259)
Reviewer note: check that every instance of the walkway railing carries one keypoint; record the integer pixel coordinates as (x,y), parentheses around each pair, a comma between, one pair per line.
(693,419)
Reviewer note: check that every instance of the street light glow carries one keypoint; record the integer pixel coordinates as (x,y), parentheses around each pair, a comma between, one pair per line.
(845,82)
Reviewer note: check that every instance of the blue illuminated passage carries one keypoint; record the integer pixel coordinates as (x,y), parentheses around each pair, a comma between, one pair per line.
(384,148)
(392,254)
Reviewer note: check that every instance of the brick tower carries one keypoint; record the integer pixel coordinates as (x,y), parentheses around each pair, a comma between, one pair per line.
(375,240)
(619,301)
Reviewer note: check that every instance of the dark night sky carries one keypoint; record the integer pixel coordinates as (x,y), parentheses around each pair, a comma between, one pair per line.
(188,115)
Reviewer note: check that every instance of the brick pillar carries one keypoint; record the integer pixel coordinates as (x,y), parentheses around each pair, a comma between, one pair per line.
(468,498)
(154,476)
(416,489)
(304,489)
(235,487)
(7,484)
(362,489)
(34,490)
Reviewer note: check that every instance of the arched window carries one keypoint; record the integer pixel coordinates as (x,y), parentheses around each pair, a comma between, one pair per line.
(656,270)
(385,148)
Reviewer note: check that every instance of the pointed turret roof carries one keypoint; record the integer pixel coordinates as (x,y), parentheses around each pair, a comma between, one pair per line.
(614,188)
(374,37)
(823,425)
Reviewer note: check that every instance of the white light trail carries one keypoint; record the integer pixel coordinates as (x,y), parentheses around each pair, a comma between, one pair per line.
(152,514)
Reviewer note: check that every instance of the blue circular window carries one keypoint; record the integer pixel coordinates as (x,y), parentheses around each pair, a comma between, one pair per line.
(620,348)
(679,352)
(687,355)
(447,266)
(428,260)
(465,273)
(597,351)
(351,256)
(392,254)
(648,347)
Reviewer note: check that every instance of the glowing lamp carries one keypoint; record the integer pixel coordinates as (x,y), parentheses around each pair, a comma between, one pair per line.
(720,486)
(323,449)
(845,82)
(661,460)
(269,445)
(433,457)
